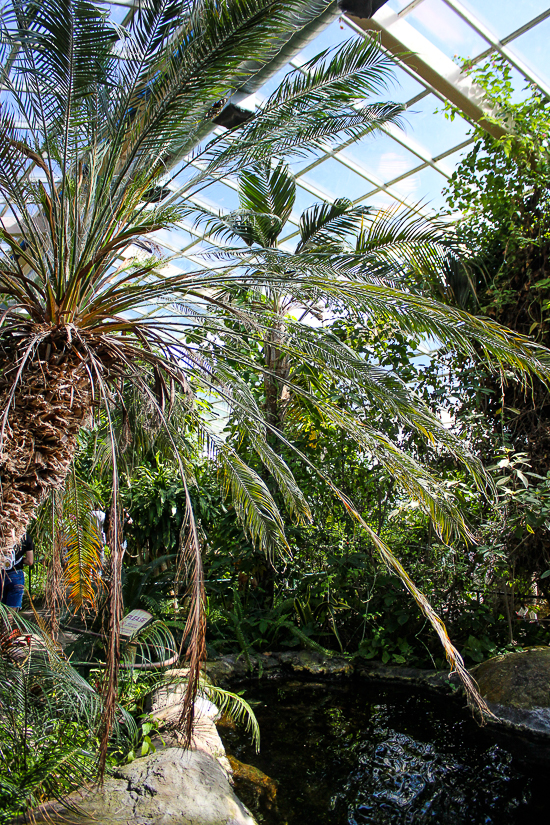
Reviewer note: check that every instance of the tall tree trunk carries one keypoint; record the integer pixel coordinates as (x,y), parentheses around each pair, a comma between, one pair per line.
(276,401)
(276,392)
(41,420)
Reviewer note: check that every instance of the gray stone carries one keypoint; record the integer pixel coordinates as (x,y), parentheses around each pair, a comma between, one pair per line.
(174,786)
(517,680)
(170,787)
(516,687)
(276,665)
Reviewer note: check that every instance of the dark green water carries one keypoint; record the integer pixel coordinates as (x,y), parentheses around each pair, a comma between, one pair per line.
(364,755)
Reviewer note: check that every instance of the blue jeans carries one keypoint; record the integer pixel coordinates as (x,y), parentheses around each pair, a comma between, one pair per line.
(12,583)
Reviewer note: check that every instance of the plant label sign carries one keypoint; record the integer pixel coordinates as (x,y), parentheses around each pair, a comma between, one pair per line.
(135,621)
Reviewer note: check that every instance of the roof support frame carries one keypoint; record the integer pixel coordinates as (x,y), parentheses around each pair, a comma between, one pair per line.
(434,69)
(500,47)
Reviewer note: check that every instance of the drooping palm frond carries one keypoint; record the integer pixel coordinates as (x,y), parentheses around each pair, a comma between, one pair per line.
(234,706)
(68,534)
(475,700)
(194,633)
(82,543)
(252,500)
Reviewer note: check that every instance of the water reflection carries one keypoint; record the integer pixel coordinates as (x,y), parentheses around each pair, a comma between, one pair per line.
(358,755)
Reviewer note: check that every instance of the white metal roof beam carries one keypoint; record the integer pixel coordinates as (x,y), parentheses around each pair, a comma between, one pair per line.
(431,65)
(496,44)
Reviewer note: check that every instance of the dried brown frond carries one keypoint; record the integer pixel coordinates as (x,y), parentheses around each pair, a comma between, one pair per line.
(475,700)
(115,602)
(190,565)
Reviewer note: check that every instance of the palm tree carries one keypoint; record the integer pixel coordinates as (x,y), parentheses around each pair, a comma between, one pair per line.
(386,244)
(93,118)
(267,194)
(104,112)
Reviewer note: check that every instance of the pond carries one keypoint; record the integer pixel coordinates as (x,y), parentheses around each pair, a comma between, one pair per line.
(356,754)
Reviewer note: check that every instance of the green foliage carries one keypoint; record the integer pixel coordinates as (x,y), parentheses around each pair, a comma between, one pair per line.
(48,720)
(155,496)
(142,744)
(501,189)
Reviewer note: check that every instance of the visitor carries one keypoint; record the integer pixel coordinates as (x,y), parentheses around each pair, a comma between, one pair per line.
(98,520)
(12,578)
(126,522)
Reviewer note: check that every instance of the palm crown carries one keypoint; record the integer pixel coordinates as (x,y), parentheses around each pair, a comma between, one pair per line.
(106,113)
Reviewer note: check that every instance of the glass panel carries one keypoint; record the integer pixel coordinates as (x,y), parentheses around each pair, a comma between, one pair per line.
(337,181)
(297,165)
(184,264)
(433,130)
(288,246)
(450,163)
(504,18)
(220,196)
(397,5)
(336,33)
(290,235)
(532,48)
(381,155)
(446,30)
(172,238)
(404,87)
(268,88)
(303,201)
(185,175)
(118,13)
(380,200)
(425,186)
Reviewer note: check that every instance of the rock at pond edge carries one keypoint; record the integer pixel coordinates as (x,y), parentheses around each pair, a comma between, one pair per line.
(170,787)
(516,680)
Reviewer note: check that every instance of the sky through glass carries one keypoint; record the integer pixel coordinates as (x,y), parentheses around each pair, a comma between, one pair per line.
(412,165)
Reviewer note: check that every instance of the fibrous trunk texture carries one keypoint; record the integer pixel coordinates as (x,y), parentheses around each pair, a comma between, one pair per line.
(41,419)
(276,392)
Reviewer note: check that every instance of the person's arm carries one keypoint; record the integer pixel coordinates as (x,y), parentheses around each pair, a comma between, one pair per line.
(28,547)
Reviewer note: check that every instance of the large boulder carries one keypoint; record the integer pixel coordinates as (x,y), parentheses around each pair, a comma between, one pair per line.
(170,787)
(174,786)
(516,687)
(517,680)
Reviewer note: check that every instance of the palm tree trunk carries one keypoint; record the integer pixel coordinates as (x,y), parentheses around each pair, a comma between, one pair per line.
(276,391)
(40,421)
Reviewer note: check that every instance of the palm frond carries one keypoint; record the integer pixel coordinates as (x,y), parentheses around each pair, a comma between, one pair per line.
(271,192)
(234,706)
(252,500)
(43,701)
(324,222)
(82,543)
(475,700)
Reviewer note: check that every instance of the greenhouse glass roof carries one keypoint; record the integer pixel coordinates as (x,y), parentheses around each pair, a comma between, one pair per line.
(409,165)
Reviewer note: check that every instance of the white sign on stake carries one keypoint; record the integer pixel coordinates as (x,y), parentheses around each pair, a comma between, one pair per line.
(135,621)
